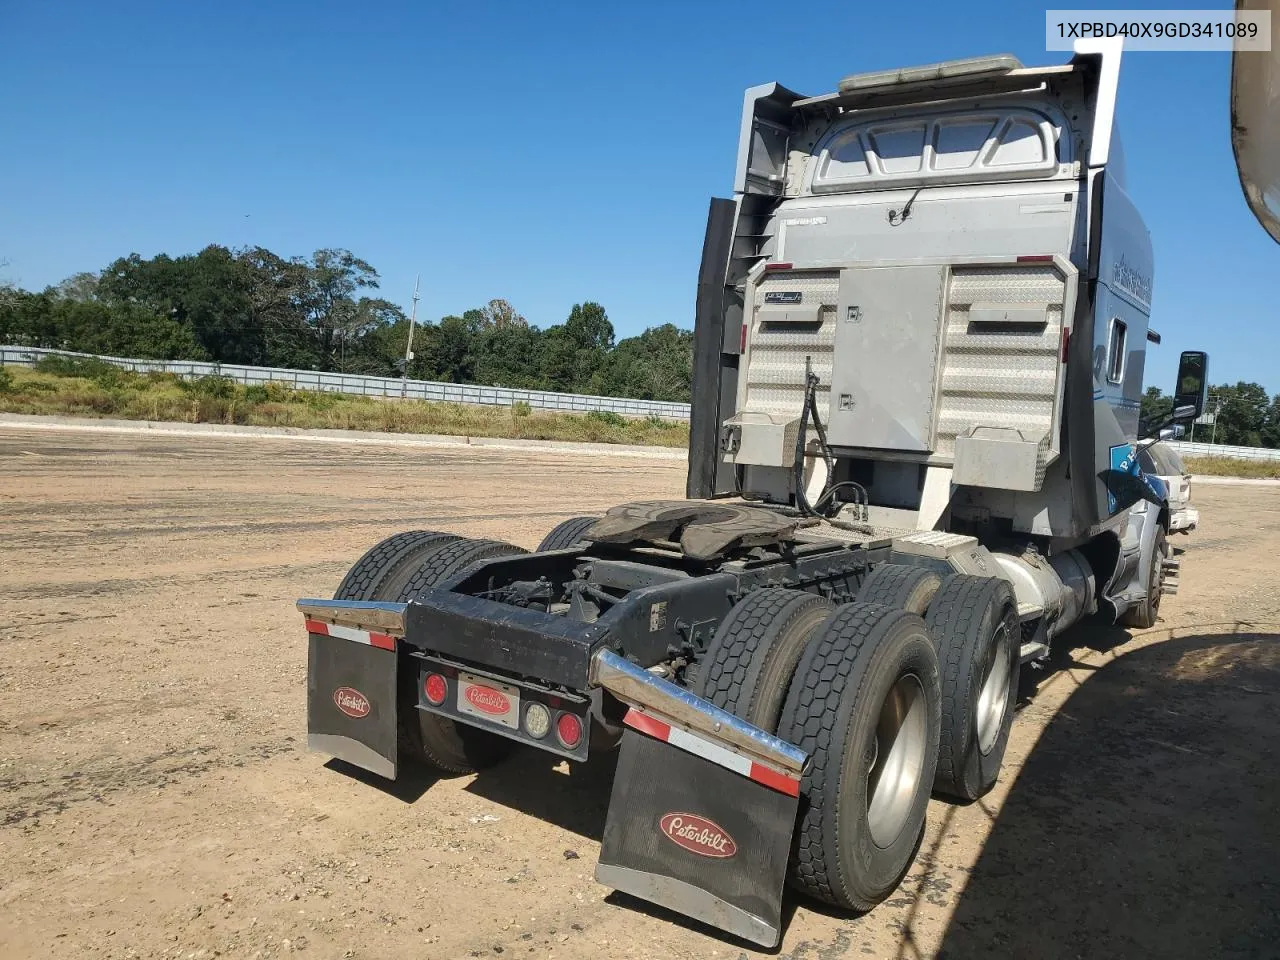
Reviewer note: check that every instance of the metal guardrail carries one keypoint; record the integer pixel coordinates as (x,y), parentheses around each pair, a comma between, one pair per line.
(364,386)
(1188,449)
(391,387)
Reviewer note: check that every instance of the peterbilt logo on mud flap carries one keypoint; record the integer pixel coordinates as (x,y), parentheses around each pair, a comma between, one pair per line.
(488,700)
(351,702)
(698,835)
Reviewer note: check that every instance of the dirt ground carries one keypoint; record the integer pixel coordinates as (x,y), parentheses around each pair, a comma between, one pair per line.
(156,798)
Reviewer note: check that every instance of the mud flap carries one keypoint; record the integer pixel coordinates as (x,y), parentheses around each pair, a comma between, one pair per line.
(699,829)
(351,697)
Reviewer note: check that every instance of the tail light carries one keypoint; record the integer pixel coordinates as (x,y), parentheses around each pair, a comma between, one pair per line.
(435,688)
(568,730)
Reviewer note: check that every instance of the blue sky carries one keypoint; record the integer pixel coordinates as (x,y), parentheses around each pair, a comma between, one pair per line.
(546,153)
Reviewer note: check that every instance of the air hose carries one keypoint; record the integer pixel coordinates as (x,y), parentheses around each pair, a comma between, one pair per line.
(810,409)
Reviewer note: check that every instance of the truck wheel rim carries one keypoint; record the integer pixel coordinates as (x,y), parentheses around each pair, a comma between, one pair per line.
(993,695)
(898,762)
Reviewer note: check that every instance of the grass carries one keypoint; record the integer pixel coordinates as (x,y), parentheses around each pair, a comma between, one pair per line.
(1230,467)
(94,389)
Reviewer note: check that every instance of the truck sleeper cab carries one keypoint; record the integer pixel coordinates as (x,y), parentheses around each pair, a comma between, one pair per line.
(919,341)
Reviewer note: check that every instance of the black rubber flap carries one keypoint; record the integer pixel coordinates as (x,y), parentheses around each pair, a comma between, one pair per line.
(697,838)
(351,703)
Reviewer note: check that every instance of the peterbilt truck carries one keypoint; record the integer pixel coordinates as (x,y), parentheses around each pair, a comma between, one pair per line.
(920,333)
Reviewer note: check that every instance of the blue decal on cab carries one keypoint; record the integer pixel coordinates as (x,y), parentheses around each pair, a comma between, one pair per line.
(1124,459)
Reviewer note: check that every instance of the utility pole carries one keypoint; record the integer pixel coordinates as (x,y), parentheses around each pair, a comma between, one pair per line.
(408,347)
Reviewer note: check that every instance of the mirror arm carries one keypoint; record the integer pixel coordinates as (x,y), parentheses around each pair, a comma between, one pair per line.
(1155,432)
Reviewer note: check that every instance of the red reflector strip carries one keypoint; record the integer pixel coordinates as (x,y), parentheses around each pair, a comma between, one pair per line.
(1037,258)
(1066,342)
(772,778)
(777,266)
(380,640)
(742,347)
(647,724)
(717,754)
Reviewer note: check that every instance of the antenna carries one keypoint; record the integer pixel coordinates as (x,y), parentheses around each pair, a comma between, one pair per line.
(408,347)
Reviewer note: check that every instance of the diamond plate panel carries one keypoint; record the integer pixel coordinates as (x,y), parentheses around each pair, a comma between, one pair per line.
(775,362)
(1006,284)
(997,376)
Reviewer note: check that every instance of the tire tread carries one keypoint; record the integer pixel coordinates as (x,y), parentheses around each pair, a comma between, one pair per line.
(895,584)
(728,673)
(368,574)
(566,533)
(957,611)
(816,719)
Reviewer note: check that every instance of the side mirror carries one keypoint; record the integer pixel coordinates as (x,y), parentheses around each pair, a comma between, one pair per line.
(1189,393)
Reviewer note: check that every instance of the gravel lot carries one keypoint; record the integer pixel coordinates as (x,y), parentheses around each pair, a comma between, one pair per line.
(156,799)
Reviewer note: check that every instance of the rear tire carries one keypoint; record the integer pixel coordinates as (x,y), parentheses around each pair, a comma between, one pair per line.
(451,559)
(566,534)
(380,574)
(750,661)
(900,586)
(865,704)
(974,622)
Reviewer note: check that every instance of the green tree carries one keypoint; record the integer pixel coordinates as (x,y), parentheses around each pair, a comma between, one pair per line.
(572,353)
(208,293)
(254,306)
(507,356)
(275,290)
(379,329)
(1241,413)
(499,314)
(657,365)
(123,330)
(448,348)
(1271,424)
(332,279)
(1156,405)
(80,287)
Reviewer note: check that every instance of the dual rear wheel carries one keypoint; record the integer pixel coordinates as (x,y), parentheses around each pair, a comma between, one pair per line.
(403,566)
(908,689)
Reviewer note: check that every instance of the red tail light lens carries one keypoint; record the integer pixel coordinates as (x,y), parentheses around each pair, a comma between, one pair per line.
(435,688)
(569,730)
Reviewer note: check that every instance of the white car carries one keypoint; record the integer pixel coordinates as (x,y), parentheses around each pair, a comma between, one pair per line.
(1160,460)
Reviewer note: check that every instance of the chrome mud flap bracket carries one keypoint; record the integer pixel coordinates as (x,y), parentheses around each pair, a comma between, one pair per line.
(698,823)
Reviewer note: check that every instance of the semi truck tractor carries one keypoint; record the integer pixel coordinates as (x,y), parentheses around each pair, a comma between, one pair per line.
(920,334)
